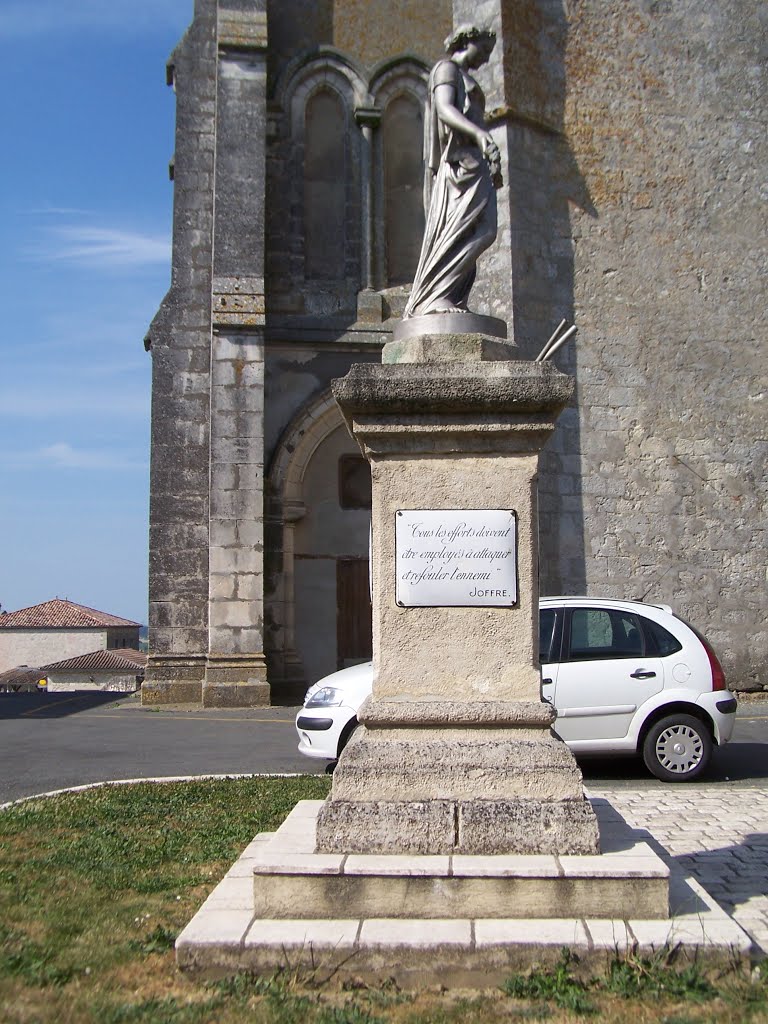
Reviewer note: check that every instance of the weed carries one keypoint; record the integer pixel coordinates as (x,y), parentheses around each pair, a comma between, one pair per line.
(632,976)
(382,996)
(248,984)
(557,984)
(158,941)
(279,991)
(677,1019)
(542,1012)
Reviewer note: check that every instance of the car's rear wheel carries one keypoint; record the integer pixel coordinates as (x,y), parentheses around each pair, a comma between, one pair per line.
(677,748)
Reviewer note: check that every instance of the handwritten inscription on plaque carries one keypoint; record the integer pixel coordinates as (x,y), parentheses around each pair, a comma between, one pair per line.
(456,557)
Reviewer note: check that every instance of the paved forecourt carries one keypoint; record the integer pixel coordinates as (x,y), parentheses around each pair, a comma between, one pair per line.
(718,836)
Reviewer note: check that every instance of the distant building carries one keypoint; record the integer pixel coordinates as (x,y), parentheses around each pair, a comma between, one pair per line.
(120,670)
(57,630)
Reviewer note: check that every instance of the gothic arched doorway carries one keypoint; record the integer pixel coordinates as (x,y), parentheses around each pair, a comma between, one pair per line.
(317,594)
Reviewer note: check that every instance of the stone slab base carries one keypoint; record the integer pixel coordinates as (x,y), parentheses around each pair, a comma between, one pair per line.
(235,695)
(227,934)
(448,348)
(462,322)
(616,884)
(235,681)
(165,692)
(173,679)
(415,790)
(460,826)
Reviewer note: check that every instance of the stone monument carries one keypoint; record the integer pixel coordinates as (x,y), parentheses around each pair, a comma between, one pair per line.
(456,752)
(457,819)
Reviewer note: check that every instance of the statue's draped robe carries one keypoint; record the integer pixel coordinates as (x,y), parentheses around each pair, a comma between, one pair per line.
(460,199)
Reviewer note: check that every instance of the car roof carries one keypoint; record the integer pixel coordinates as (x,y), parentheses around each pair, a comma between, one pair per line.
(602,602)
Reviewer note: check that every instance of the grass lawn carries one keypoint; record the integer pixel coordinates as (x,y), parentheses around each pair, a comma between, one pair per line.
(95,886)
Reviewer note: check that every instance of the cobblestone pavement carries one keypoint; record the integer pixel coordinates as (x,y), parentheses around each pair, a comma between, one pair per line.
(718,835)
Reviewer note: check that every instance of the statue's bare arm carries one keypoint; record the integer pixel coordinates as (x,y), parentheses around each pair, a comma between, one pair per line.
(449,113)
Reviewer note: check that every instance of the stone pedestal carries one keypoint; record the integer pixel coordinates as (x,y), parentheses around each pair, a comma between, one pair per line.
(455,752)
(235,681)
(173,679)
(449,338)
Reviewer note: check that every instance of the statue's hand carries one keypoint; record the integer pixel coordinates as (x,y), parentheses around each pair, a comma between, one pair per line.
(491,153)
(488,146)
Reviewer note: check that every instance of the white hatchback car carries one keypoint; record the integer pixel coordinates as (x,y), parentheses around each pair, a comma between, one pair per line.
(625,678)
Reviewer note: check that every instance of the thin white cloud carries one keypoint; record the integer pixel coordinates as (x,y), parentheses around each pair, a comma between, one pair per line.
(102,247)
(26,18)
(62,455)
(57,211)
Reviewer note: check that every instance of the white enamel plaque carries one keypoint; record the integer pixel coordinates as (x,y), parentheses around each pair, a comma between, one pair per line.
(456,557)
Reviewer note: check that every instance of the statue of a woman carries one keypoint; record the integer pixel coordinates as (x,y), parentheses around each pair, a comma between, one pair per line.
(462,172)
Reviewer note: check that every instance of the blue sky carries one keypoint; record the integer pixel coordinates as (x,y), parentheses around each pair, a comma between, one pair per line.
(85,217)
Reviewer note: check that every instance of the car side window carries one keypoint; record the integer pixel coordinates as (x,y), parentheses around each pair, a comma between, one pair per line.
(547,621)
(603,633)
(659,639)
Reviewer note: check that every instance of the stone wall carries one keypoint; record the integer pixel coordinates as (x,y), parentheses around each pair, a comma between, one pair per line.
(180,338)
(368,32)
(35,647)
(118,682)
(666,117)
(124,636)
(235,669)
(636,139)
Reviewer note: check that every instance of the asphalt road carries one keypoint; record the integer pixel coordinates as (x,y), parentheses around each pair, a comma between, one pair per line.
(52,741)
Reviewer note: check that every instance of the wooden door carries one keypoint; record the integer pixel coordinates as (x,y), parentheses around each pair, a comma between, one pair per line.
(353,612)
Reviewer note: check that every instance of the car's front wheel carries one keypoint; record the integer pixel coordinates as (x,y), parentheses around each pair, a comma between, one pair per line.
(346,734)
(677,748)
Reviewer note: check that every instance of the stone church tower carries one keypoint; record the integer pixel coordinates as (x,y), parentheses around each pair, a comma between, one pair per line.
(632,135)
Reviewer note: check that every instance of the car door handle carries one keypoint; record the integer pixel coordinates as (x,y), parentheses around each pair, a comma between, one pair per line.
(642,673)
(545,681)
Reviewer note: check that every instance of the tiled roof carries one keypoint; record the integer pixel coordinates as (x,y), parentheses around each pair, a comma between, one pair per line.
(22,676)
(58,614)
(122,659)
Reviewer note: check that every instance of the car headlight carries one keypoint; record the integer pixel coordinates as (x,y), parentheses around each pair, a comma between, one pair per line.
(325,697)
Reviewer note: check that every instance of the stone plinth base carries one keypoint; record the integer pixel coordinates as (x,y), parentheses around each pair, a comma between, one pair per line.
(373,927)
(445,777)
(458,826)
(173,679)
(235,681)
(450,323)
(215,681)
(178,692)
(456,754)
(447,348)
(235,695)
(458,886)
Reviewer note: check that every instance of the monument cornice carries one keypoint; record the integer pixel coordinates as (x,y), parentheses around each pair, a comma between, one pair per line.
(453,714)
(424,388)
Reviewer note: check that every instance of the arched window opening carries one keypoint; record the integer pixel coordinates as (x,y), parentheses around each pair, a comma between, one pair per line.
(325,177)
(402,131)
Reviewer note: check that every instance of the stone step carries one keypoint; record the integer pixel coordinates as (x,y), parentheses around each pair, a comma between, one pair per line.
(294,884)
(229,934)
